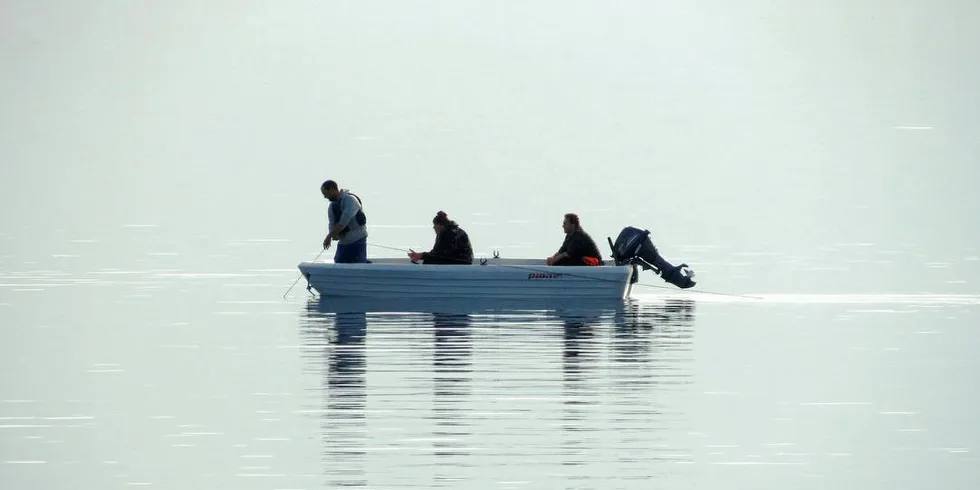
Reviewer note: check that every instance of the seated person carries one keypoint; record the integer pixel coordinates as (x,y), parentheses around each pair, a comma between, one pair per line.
(578,247)
(452,244)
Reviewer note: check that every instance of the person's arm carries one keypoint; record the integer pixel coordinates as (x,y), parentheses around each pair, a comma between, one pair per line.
(560,254)
(330,227)
(332,223)
(441,248)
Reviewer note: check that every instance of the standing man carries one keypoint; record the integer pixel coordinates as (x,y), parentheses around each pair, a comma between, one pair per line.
(348,224)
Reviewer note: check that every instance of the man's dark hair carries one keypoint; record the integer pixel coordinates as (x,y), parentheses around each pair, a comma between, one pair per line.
(329,184)
(573,219)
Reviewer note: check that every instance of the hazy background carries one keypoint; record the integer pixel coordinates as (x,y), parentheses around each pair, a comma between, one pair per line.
(792,132)
(160,165)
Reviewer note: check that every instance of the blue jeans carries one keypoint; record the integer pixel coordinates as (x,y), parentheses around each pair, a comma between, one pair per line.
(351,253)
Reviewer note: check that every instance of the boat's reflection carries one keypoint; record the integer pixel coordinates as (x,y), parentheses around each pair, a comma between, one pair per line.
(451,378)
(338,340)
(633,360)
(467,306)
(580,354)
(625,338)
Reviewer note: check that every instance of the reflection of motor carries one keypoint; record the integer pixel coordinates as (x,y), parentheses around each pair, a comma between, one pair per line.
(633,246)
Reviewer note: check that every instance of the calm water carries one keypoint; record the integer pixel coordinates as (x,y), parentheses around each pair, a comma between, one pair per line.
(173,379)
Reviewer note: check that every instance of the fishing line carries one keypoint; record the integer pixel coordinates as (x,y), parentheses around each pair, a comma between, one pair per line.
(301,275)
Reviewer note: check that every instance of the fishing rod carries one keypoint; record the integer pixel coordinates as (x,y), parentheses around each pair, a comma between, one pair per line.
(390,248)
(572,274)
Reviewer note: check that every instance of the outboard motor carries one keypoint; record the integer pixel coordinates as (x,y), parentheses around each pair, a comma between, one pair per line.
(633,246)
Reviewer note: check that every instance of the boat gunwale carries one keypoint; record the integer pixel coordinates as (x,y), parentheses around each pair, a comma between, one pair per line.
(528,264)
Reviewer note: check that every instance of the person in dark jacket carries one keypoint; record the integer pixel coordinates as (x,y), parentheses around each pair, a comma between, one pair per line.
(578,247)
(452,244)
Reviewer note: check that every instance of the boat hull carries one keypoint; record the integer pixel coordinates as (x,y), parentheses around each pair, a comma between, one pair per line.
(503,279)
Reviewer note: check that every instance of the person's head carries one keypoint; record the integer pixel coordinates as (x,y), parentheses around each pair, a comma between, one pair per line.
(330,190)
(570,223)
(440,222)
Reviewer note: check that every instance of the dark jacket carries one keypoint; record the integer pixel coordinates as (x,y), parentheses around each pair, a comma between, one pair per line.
(578,245)
(452,247)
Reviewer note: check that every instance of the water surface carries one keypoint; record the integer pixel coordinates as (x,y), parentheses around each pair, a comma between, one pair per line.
(182,380)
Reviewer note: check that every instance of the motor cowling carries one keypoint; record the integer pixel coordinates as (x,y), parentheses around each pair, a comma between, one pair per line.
(634,247)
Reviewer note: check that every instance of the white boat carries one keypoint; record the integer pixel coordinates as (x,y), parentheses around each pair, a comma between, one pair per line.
(497,278)
(493,278)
